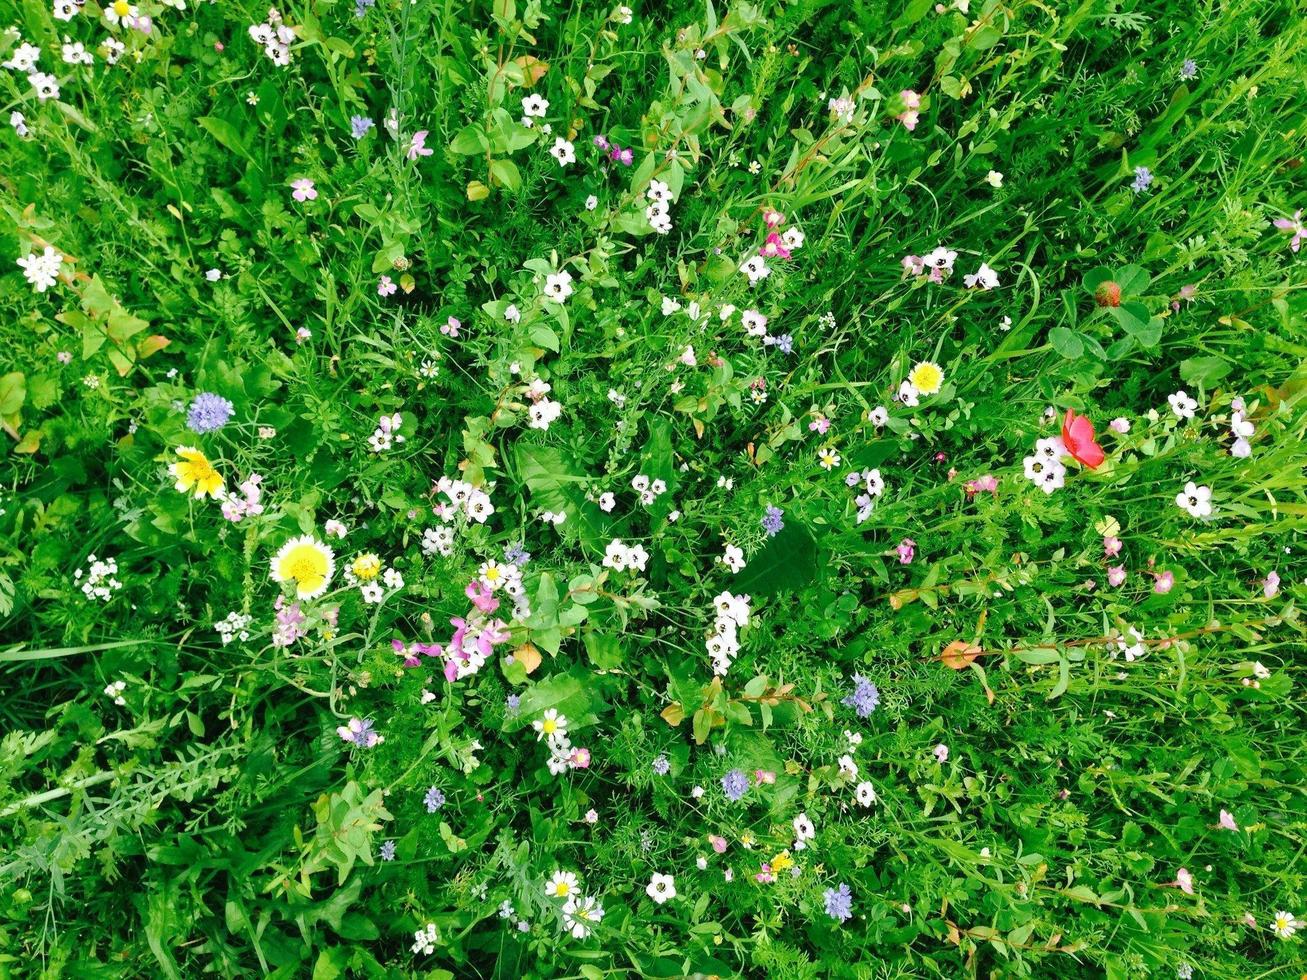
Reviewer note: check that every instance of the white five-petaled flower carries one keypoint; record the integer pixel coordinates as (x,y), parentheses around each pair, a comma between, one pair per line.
(563,151)
(1182,404)
(733,558)
(558,286)
(756,269)
(534,106)
(1195,499)
(865,793)
(661,888)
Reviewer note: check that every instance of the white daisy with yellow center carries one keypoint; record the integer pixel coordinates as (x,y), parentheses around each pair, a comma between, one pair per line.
(306,562)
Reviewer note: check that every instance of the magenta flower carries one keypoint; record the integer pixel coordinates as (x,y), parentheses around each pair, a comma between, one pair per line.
(907,550)
(1165,581)
(1294,227)
(303,189)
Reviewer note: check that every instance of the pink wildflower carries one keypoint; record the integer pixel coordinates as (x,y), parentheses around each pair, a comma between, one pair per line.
(907,549)
(302,189)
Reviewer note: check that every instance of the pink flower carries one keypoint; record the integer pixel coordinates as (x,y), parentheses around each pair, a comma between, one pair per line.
(1183,881)
(580,759)
(386,286)
(819,425)
(1227,821)
(1119,426)
(773,219)
(1293,226)
(774,248)
(1116,575)
(451,327)
(764,776)
(1271,585)
(941,753)
(303,189)
(417,145)
(907,549)
(718,843)
(1111,546)
(910,115)
(1165,582)
(984,484)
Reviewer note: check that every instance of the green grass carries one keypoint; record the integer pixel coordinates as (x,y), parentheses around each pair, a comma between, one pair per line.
(216,823)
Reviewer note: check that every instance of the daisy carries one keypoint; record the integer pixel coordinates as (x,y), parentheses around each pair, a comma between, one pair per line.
(578,917)
(308,563)
(552,726)
(926,377)
(828,458)
(1285,925)
(195,474)
(366,566)
(561,885)
(1195,499)
(121,13)
(661,888)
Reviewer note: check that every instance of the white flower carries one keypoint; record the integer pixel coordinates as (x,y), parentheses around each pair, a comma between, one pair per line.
(551,726)
(562,885)
(591,203)
(658,191)
(1131,645)
(579,916)
(372,592)
(637,557)
(848,766)
(878,416)
(213,275)
(908,394)
(534,105)
(607,501)
(661,888)
(865,793)
(940,258)
(392,579)
(19,122)
(803,828)
(616,556)
(47,86)
(1285,925)
(670,305)
(558,286)
(42,270)
(733,558)
(24,57)
(828,458)
(1182,404)
(793,239)
(754,323)
(994,179)
(75,53)
(543,413)
(756,269)
(1195,499)
(984,277)
(424,940)
(512,314)
(563,151)
(1046,473)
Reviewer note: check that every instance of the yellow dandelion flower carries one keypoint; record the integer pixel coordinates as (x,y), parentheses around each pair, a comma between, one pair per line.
(308,563)
(195,474)
(782,861)
(366,567)
(927,377)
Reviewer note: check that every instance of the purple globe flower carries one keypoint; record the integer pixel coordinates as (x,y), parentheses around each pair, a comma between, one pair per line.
(735,784)
(208,413)
(772,521)
(661,766)
(434,800)
(865,696)
(388,851)
(839,902)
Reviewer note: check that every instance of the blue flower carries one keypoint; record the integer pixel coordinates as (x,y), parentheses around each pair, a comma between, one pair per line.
(661,765)
(388,851)
(735,784)
(839,902)
(1143,180)
(208,413)
(771,521)
(864,698)
(359,126)
(434,800)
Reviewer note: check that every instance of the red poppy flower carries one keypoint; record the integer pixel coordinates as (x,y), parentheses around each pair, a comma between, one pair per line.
(1078,437)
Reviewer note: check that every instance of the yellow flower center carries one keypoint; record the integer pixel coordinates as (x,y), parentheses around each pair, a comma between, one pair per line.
(927,378)
(121,8)
(562,888)
(492,574)
(306,565)
(367,567)
(550,726)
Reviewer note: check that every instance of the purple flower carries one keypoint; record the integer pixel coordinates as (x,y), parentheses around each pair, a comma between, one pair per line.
(516,554)
(359,126)
(771,521)
(735,784)
(864,698)
(661,766)
(1143,180)
(303,189)
(359,732)
(208,413)
(839,902)
(511,703)
(434,800)
(1189,69)
(361,7)
(388,851)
